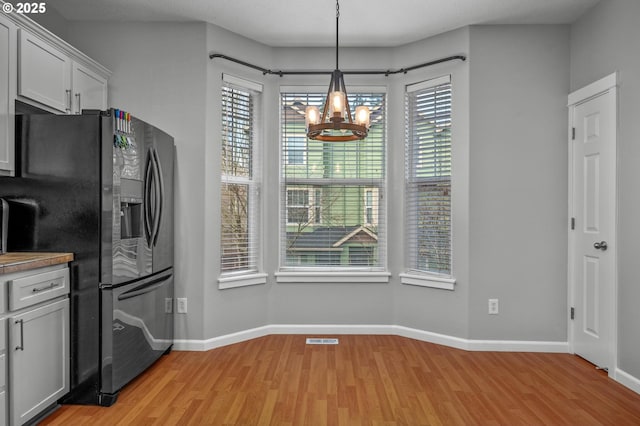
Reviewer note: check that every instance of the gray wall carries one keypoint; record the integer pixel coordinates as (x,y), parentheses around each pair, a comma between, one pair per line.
(52,21)
(162,74)
(318,303)
(603,41)
(159,74)
(434,310)
(232,310)
(518,190)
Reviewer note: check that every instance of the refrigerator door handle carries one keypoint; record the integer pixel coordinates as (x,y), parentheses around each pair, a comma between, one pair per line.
(160,197)
(145,288)
(147,214)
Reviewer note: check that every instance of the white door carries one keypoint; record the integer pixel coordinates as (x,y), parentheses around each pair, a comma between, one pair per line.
(592,241)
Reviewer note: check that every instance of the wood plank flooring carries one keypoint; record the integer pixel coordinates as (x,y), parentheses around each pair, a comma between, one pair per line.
(365,380)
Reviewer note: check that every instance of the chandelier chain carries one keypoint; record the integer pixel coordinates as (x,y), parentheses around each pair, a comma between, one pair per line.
(337,27)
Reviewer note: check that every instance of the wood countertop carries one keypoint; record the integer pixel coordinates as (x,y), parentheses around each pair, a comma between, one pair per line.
(23,261)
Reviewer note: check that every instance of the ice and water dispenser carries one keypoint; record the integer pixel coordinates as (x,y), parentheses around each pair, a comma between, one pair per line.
(127,169)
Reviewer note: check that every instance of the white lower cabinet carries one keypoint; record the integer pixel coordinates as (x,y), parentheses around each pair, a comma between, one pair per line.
(39,346)
(34,342)
(3,372)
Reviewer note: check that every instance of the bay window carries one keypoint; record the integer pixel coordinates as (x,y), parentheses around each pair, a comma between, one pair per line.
(239,187)
(428,178)
(332,216)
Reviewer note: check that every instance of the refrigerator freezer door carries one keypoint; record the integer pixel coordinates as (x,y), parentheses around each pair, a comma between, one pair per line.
(137,329)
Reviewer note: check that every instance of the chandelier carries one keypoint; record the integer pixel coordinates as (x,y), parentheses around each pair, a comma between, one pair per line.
(335,124)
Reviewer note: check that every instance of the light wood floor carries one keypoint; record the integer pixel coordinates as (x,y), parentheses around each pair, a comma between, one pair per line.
(365,380)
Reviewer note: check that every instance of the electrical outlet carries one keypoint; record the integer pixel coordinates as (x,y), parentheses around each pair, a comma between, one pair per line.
(493,306)
(168,305)
(182,305)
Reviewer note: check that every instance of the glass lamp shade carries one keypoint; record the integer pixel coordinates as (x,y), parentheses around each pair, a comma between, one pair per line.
(337,104)
(311,116)
(363,116)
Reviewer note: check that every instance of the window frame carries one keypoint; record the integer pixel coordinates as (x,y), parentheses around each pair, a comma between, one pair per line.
(252,275)
(413,275)
(310,274)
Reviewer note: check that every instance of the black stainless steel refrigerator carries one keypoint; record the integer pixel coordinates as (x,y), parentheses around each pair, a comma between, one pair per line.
(100,185)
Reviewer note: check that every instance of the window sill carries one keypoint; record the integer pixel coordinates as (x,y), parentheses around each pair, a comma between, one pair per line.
(332,277)
(431,281)
(233,281)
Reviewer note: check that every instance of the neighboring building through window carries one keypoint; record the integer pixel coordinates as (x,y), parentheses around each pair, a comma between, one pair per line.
(239,239)
(296,150)
(304,206)
(298,206)
(371,197)
(332,216)
(428,176)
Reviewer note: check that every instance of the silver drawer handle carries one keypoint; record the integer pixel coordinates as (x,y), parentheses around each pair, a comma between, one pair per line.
(20,347)
(79,103)
(49,287)
(68,92)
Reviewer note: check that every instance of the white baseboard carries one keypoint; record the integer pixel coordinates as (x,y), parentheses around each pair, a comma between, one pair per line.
(216,342)
(627,379)
(329,329)
(425,336)
(482,345)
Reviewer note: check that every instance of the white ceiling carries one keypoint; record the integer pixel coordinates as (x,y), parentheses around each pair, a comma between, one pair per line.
(312,22)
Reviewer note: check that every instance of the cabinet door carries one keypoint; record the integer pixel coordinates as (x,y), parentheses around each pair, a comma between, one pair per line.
(89,89)
(8,58)
(39,359)
(3,372)
(44,73)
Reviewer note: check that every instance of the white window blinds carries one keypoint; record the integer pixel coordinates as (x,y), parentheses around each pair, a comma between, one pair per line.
(239,206)
(428,176)
(332,214)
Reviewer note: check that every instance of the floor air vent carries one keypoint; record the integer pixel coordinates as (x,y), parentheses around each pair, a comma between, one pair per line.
(313,341)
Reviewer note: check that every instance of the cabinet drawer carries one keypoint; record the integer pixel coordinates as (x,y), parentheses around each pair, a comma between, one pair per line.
(37,288)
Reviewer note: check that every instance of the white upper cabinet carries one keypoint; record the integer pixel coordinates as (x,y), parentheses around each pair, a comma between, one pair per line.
(89,89)
(8,52)
(44,73)
(39,68)
(57,76)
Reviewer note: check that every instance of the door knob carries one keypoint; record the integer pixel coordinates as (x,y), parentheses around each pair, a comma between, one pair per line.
(602,245)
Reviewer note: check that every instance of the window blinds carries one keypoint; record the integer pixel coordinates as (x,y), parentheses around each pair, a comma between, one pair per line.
(238,189)
(331,210)
(428,176)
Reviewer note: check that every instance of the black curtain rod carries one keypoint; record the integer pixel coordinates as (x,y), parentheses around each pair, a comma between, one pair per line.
(385,73)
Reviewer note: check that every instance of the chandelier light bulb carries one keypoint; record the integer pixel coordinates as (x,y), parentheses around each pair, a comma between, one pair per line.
(337,103)
(311,116)
(363,116)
